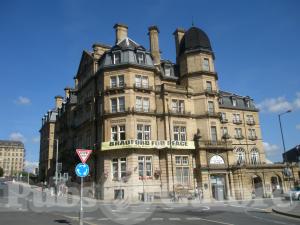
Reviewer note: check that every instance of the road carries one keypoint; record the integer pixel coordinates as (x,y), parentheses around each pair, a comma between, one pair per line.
(24,205)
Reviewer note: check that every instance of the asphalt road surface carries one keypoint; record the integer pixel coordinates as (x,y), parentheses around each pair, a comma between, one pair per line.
(24,205)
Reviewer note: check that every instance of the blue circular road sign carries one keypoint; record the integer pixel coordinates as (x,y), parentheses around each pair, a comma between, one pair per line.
(82,170)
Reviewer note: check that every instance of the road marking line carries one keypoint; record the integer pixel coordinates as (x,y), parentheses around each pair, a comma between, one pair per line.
(103,219)
(212,221)
(155,219)
(168,208)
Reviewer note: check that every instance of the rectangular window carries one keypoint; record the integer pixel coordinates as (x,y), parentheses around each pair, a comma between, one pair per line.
(118,133)
(208,86)
(146,104)
(145,82)
(177,106)
(118,168)
(117,58)
(138,80)
(142,104)
(223,116)
(121,80)
(147,130)
(114,105)
(213,131)
(122,133)
(113,81)
(233,102)
(121,104)
(238,132)
(205,64)
(224,130)
(138,104)
(179,133)
(143,132)
(145,166)
(140,132)
(140,57)
(167,71)
(211,108)
(115,169)
(182,175)
(236,118)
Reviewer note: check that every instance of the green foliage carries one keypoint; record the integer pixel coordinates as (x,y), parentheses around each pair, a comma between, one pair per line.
(1,172)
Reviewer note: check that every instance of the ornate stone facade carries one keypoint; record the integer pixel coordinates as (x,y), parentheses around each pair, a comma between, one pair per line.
(159,128)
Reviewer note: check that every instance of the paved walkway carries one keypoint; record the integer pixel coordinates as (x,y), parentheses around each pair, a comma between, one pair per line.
(289,210)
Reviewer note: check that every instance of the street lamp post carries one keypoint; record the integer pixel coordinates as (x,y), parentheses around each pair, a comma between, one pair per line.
(282,138)
(284,150)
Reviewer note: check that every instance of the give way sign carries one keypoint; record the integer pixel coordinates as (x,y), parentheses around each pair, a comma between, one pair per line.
(83,154)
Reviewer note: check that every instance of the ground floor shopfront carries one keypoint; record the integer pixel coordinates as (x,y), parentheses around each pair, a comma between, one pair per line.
(144,174)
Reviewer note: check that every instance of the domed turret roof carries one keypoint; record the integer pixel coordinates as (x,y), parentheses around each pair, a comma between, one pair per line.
(195,38)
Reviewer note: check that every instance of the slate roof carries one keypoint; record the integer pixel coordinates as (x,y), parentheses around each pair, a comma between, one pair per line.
(11,143)
(227,98)
(195,39)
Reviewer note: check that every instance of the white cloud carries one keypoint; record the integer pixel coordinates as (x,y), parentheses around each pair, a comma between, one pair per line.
(30,166)
(271,149)
(280,104)
(17,136)
(23,101)
(298,126)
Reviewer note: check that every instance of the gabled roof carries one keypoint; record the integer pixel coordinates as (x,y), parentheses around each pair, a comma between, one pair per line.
(127,43)
(86,56)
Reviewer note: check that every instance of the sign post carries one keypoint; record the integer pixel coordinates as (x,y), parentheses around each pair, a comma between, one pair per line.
(82,170)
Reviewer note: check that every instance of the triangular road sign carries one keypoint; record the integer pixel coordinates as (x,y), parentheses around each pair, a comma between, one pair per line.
(83,154)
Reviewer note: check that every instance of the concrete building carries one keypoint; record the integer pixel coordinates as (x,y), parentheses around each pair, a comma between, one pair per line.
(12,154)
(160,128)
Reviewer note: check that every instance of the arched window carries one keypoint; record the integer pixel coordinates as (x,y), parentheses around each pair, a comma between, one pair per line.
(254,156)
(240,156)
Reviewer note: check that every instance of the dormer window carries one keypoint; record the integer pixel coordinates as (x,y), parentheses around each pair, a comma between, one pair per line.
(247,103)
(167,71)
(205,64)
(221,101)
(140,57)
(234,103)
(116,57)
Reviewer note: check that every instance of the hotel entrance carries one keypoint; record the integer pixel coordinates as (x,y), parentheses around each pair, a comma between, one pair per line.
(218,186)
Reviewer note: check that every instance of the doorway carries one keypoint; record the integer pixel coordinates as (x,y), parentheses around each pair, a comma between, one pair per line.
(276,186)
(258,186)
(218,187)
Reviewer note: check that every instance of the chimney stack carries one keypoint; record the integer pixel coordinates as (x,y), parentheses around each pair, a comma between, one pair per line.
(154,46)
(67,92)
(121,31)
(58,101)
(178,33)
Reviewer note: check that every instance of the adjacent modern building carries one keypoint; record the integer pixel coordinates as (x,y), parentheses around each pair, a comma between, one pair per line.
(12,154)
(159,128)
(292,155)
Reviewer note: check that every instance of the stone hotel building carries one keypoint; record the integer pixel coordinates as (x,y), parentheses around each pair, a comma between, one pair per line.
(159,128)
(12,156)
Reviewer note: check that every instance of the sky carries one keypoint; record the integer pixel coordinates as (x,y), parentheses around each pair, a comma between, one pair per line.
(256,44)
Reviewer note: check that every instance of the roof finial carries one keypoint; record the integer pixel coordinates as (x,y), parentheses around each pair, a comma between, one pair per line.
(192,21)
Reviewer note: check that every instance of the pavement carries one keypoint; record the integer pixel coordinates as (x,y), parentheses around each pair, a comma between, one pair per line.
(288,209)
(22,204)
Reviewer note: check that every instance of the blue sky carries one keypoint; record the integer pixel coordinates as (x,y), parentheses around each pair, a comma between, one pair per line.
(256,44)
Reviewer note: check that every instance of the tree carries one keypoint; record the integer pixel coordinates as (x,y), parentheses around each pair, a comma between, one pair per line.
(1,172)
